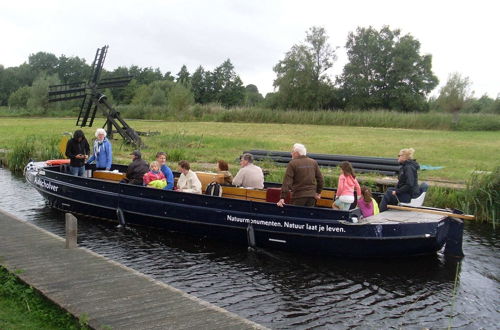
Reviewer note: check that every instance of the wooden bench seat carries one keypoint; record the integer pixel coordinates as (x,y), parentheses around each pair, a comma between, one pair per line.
(208,177)
(258,195)
(327,198)
(234,192)
(107,175)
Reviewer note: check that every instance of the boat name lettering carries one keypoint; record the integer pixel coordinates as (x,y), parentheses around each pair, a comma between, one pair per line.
(268,223)
(47,185)
(287,224)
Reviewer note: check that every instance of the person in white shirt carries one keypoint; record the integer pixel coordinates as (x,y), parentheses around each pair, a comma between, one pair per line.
(188,181)
(249,175)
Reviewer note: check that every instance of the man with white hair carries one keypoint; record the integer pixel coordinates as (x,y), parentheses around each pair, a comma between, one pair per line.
(302,178)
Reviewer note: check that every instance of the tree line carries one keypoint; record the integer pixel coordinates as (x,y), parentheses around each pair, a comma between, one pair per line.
(385,70)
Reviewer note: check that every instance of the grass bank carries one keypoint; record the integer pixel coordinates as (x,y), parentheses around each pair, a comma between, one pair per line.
(203,143)
(459,153)
(21,307)
(216,113)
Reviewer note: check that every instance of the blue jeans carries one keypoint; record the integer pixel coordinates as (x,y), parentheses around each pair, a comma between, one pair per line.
(78,171)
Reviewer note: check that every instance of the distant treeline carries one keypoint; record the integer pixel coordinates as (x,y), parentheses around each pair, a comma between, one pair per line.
(385,70)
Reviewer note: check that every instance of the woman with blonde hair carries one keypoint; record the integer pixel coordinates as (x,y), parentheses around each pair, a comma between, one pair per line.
(407,187)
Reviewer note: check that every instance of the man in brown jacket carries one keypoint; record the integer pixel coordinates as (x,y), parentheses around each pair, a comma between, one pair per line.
(303,178)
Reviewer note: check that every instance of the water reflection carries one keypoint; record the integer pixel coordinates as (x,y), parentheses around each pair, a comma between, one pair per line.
(281,290)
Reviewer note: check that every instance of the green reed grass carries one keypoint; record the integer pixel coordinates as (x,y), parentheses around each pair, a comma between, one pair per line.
(368,118)
(35,148)
(217,113)
(481,197)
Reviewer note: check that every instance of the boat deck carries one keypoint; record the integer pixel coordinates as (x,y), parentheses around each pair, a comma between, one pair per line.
(396,216)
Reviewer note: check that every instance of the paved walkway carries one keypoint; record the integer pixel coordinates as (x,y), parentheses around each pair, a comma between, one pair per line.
(110,295)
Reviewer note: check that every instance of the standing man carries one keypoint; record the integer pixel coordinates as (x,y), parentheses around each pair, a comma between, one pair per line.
(136,169)
(303,178)
(249,175)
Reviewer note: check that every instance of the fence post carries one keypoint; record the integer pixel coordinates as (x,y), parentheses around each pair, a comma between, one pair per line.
(71,231)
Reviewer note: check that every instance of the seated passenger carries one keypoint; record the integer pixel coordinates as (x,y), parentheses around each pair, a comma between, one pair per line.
(161,158)
(366,203)
(154,178)
(188,181)
(223,168)
(136,169)
(249,175)
(407,187)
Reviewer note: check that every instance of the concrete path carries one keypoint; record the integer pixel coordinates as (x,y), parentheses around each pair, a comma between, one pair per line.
(108,294)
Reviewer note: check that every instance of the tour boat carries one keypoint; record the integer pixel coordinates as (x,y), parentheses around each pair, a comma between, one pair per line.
(247,216)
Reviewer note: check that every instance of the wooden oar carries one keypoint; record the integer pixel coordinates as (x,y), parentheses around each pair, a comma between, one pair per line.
(449,214)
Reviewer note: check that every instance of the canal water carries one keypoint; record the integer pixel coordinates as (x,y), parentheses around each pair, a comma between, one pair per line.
(283,290)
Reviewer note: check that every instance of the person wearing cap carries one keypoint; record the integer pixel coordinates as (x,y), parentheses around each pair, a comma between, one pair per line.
(302,178)
(136,169)
(249,175)
(102,152)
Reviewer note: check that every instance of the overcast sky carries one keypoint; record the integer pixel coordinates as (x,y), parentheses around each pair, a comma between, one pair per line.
(462,36)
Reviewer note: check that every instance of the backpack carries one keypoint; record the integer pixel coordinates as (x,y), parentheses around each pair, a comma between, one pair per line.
(214,189)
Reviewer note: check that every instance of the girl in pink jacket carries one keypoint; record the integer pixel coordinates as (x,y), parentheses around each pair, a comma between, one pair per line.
(154,174)
(344,196)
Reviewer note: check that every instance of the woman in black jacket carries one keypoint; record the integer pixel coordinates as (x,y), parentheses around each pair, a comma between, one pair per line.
(407,187)
(77,150)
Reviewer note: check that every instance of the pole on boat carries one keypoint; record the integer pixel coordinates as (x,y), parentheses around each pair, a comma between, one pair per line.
(71,231)
(251,237)
(432,211)
(121,217)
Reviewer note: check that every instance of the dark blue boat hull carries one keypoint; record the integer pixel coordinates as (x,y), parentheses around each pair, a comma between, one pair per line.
(298,229)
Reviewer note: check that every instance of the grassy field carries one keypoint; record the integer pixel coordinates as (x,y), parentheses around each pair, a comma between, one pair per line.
(204,142)
(21,307)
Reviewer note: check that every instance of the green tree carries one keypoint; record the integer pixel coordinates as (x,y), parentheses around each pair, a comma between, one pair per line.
(302,75)
(200,86)
(453,95)
(226,85)
(20,97)
(158,97)
(156,93)
(252,96)
(386,70)
(12,79)
(72,69)
(183,77)
(43,62)
(38,98)
(148,75)
(180,98)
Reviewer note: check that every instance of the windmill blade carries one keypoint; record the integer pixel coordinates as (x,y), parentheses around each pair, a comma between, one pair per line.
(66,92)
(85,111)
(114,82)
(93,115)
(97,65)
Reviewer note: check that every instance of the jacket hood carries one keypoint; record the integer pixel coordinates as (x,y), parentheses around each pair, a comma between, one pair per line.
(413,163)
